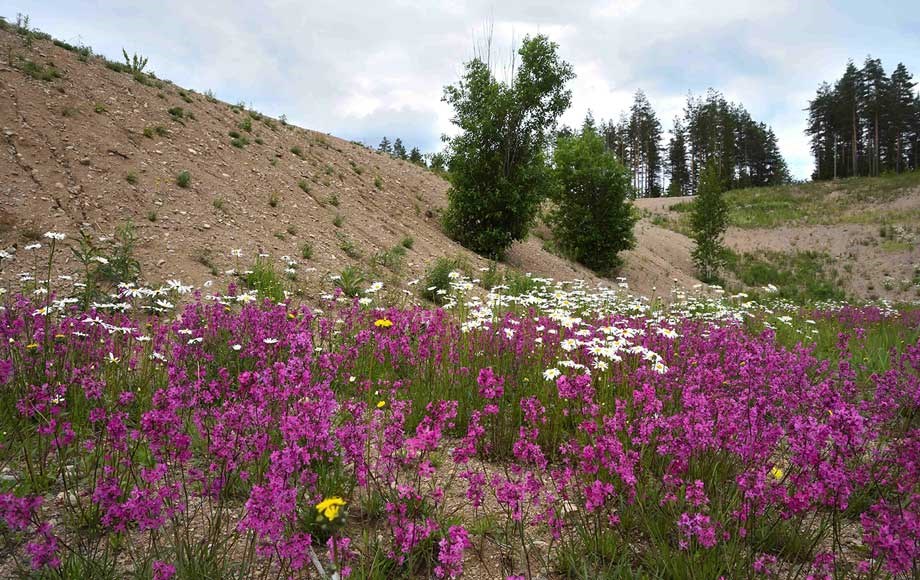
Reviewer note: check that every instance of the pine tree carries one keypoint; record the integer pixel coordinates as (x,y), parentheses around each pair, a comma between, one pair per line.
(823,133)
(708,220)
(437,162)
(415,156)
(678,173)
(848,111)
(384,146)
(643,135)
(873,94)
(865,123)
(900,106)
(399,150)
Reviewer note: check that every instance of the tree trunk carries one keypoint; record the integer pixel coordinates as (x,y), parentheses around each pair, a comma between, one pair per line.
(854,169)
(876,145)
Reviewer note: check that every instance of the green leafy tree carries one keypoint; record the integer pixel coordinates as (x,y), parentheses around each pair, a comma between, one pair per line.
(708,220)
(437,162)
(591,221)
(498,173)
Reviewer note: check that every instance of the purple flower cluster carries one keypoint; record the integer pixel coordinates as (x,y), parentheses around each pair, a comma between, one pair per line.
(235,423)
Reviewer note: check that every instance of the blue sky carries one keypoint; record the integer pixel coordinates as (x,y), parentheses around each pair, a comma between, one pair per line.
(362,70)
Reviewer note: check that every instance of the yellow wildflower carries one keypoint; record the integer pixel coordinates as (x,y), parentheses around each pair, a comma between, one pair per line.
(381,404)
(330,507)
(32,346)
(383,323)
(291,316)
(777,472)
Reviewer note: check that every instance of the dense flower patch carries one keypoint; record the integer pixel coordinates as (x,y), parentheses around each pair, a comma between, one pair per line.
(550,435)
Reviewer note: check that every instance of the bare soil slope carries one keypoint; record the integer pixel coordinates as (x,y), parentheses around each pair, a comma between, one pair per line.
(94,148)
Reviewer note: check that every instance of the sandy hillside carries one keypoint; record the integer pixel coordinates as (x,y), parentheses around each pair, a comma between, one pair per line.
(873,243)
(76,155)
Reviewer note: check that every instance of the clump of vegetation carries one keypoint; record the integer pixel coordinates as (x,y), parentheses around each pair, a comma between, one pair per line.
(177,113)
(274,199)
(801,277)
(436,284)
(246,124)
(265,280)
(158,130)
(306,251)
(205,257)
(297,150)
(378,183)
(131,177)
(83,52)
(407,242)
(350,280)
(338,220)
(304,185)
(348,246)
(105,268)
(392,258)
(184,179)
(135,63)
(99,108)
(37,71)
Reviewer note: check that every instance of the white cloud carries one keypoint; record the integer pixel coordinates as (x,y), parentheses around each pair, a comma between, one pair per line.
(358,68)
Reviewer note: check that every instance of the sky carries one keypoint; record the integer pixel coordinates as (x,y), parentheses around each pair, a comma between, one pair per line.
(361,70)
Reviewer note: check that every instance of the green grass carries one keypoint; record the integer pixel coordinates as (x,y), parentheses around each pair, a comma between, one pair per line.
(436,285)
(815,203)
(827,202)
(897,246)
(39,72)
(265,280)
(800,277)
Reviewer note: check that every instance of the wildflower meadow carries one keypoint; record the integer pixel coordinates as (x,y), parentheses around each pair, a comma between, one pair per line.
(565,432)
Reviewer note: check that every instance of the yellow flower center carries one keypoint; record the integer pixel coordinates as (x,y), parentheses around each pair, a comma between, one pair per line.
(776,472)
(383,323)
